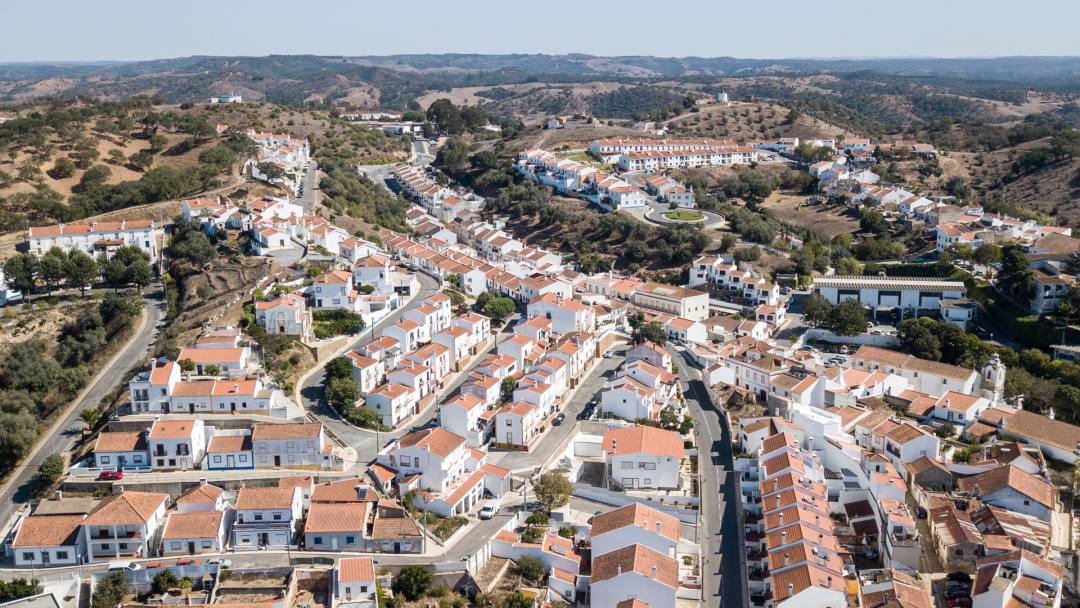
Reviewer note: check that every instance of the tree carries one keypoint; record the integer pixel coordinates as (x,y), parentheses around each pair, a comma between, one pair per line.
(141,160)
(499,308)
(506,388)
(552,489)
(816,309)
(270,170)
(51,267)
(187,365)
(727,241)
(52,467)
(988,254)
(339,367)
(650,332)
(20,271)
(110,592)
(80,270)
(158,142)
(517,599)
(871,220)
(748,254)
(1016,278)
(95,176)
(63,168)
(918,338)
(454,156)
(848,265)
(849,318)
(212,370)
(18,588)
(90,417)
(140,274)
(165,580)
(531,569)
(342,394)
(413,582)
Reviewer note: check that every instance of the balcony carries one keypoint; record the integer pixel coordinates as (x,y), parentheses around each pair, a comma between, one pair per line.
(758,574)
(108,535)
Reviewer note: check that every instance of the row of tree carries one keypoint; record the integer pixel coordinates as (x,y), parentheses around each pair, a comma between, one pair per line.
(26,272)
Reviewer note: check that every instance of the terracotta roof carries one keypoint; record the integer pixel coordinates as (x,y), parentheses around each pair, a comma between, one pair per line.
(203,524)
(635,558)
(355,570)
(337,517)
(172,429)
(265,498)
(229,443)
(643,439)
(202,493)
(1037,427)
(343,490)
(391,528)
(48,531)
(211,355)
(804,576)
(302,430)
(120,441)
(128,507)
(636,514)
(437,440)
(1010,476)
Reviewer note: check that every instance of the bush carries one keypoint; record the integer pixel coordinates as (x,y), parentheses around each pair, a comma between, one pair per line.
(331,323)
(531,569)
(51,469)
(413,582)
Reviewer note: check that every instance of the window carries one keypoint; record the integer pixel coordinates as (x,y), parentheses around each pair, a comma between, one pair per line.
(349,540)
(217,459)
(627,465)
(277,516)
(29,556)
(207,544)
(318,540)
(61,555)
(103,459)
(258,517)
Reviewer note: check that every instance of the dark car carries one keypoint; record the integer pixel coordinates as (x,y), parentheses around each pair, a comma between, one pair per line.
(920,512)
(586,413)
(558,420)
(110,475)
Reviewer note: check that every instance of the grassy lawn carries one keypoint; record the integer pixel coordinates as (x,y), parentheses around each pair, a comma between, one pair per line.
(684,216)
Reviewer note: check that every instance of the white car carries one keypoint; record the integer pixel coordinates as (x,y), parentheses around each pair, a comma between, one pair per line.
(123,565)
(220,562)
(489,510)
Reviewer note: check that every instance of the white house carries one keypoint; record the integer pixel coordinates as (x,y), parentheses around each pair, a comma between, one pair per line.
(291,445)
(354,582)
(49,540)
(176,444)
(123,524)
(267,517)
(635,524)
(195,532)
(97,238)
(393,402)
(635,572)
(517,424)
(643,457)
(287,315)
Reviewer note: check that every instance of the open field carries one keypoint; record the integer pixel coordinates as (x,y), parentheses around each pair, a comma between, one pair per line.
(826,219)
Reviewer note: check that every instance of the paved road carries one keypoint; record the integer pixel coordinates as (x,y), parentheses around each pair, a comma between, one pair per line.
(724,575)
(18,490)
(310,198)
(312,395)
(555,436)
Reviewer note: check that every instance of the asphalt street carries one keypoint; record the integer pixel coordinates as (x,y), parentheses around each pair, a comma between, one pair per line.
(19,488)
(723,573)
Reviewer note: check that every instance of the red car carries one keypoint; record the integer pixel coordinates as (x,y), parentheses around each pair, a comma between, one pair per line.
(110,475)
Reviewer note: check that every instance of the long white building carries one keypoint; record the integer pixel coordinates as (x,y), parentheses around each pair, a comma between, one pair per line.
(887,293)
(96,238)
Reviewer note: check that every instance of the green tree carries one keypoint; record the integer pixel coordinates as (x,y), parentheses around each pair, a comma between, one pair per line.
(531,569)
(63,168)
(499,308)
(110,592)
(1016,279)
(848,265)
(187,365)
(849,318)
(271,171)
(517,599)
(50,470)
(342,394)
(18,588)
(552,489)
(454,155)
(650,332)
(871,220)
(917,336)
(816,309)
(165,580)
(506,389)
(339,367)
(727,241)
(90,417)
(51,267)
(20,271)
(987,254)
(212,370)
(80,270)
(748,254)
(141,160)
(94,177)
(413,582)
(158,142)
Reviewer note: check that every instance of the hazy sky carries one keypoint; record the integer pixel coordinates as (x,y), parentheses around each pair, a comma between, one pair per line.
(39,30)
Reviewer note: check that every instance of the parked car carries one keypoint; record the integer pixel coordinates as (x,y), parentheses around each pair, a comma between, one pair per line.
(489,510)
(920,512)
(558,420)
(220,562)
(110,476)
(122,565)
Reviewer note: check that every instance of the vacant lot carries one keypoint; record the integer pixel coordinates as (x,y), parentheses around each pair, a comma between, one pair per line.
(825,219)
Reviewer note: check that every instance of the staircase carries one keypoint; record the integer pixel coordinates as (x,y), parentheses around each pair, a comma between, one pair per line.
(84,593)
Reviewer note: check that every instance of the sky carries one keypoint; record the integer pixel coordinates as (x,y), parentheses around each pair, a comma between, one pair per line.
(82,30)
